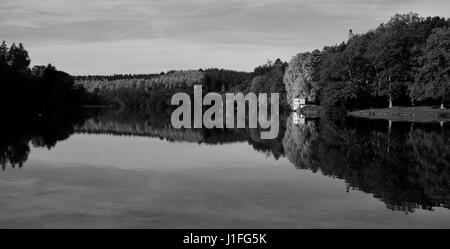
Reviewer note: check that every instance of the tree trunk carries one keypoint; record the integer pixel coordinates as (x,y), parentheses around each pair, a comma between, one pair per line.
(390,93)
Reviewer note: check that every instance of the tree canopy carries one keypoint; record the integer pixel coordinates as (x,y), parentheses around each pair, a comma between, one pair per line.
(433,79)
(400,62)
(43,87)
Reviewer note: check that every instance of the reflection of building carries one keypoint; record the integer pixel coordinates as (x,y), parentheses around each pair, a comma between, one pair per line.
(299,102)
(298,119)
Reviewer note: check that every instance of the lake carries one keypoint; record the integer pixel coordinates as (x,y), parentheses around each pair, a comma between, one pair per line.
(123,169)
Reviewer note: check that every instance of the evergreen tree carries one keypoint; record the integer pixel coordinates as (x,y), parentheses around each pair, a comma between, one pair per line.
(3,56)
(18,58)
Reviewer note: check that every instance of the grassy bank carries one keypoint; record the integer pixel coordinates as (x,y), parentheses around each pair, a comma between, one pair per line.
(412,114)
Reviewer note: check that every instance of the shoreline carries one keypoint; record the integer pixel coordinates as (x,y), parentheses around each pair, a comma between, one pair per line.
(423,114)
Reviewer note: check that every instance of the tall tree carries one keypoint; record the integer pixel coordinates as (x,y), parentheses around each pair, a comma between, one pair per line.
(381,64)
(300,76)
(3,55)
(434,75)
(391,53)
(18,58)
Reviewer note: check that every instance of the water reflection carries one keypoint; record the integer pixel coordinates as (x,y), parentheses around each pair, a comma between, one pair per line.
(157,124)
(405,165)
(18,132)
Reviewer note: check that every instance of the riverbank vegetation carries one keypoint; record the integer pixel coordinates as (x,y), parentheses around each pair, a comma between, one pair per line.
(405,61)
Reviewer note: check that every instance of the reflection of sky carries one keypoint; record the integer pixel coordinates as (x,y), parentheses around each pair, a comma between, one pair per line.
(140,182)
(146,153)
(100,36)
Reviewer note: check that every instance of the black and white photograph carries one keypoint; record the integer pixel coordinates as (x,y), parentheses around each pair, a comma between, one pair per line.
(214,115)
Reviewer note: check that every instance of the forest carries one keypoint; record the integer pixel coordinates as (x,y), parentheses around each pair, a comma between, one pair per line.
(35,89)
(153,91)
(405,61)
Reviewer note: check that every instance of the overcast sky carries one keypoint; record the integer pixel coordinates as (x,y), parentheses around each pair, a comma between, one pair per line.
(143,36)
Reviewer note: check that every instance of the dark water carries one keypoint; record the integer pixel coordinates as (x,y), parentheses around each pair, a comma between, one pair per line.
(125,169)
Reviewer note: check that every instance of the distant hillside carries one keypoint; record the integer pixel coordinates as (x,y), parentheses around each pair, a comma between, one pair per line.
(142,93)
(176,79)
(155,90)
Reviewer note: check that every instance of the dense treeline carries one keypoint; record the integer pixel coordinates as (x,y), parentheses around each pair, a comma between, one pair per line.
(268,78)
(118,76)
(154,91)
(222,80)
(403,62)
(42,87)
(140,93)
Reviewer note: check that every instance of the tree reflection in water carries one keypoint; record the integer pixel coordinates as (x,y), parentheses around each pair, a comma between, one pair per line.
(405,165)
(38,130)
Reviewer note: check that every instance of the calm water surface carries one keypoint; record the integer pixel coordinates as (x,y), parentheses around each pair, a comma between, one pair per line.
(122,170)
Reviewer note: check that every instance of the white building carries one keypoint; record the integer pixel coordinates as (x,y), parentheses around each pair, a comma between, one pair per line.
(299,103)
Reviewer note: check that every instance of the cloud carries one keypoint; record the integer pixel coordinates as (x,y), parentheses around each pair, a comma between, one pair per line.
(287,24)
